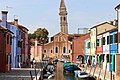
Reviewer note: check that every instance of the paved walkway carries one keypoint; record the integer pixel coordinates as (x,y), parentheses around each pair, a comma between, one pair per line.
(20,73)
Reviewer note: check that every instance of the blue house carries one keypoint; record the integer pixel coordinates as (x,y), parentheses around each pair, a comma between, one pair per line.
(16,45)
(16,40)
(113,48)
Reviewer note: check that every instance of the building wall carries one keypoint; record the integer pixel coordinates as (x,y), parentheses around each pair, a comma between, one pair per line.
(2,52)
(79,46)
(60,41)
(113,45)
(5,51)
(93,41)
(16,45)
(37,56)
(113,50)
(104,27)
(23,46)
(106,51)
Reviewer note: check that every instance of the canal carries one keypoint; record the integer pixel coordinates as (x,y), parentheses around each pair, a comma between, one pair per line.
(60,75)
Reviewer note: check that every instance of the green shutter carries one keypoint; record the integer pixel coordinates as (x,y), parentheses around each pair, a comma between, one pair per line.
(97,42)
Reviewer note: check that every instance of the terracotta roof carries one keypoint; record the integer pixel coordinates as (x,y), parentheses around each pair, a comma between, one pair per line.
(101,24)
(19,26)
(22,27)
(60,33)
(11,23)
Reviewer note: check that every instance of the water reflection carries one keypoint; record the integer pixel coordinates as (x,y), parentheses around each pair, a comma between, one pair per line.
(70,76)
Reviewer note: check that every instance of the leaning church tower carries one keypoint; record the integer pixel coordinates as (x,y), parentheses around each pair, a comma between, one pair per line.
(63,17)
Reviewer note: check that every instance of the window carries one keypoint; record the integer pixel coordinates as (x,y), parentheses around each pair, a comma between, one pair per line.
(107,57)
(10,59)
(20,44)
(69,51)
(56,49)
(6,59)
(97,42)
(7,39)
(115,38)
(64,18)
(108,40)
(44,51)
(103,57)
(110,57)
(103,41)
(51,51)
(19,32)
(64,49)
(88,45)
(71,46)
(18,58)
(111,39)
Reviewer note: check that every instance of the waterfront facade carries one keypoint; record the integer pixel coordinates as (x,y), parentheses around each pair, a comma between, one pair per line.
(17,40)
(78,48)
(5,49)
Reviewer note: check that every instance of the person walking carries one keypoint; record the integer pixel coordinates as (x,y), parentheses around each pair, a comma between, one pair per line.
(34,62)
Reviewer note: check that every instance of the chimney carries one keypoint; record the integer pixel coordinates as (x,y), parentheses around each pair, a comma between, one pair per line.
(15,21)
(4,18)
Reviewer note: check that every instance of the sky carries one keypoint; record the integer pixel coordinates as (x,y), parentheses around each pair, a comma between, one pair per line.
(35,14)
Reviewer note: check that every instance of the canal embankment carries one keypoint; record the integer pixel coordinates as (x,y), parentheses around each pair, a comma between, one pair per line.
(99,73)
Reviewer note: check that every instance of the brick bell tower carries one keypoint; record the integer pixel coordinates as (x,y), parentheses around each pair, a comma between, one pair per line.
(63,17)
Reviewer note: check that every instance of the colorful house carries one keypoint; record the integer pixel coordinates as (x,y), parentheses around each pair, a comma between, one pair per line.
(16,45)
(113,48)
(5,49)
(24,41)
(106,51)
(17,39)
(87,50)
(79,48)
(93,39)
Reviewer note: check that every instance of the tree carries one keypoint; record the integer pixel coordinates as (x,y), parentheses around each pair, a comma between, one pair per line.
(42,35)
(31,36)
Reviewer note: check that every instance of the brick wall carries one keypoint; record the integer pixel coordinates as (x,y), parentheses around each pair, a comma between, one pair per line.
(79,46)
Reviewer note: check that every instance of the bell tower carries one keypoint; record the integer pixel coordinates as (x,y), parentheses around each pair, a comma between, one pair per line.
(63,17)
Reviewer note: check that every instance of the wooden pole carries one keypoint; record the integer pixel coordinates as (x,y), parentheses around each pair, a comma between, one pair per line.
(35,71)
(31,75)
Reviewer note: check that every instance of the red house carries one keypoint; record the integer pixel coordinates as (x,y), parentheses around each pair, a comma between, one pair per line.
(78,48)
(5,49)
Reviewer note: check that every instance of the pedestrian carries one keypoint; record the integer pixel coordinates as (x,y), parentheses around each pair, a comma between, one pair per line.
(34,62)
(19,65)
(27,63)
(31,64)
